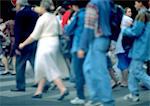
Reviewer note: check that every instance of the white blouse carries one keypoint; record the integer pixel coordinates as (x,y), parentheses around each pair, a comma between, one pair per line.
(46,26)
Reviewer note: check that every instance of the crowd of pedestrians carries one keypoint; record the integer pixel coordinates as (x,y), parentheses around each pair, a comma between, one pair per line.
(34,35)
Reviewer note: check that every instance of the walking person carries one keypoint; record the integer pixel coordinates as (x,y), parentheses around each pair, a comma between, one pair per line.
(49,61)
(96,36)
(4,48)
(122,54)
(140,51)
(75,28)
(25,21)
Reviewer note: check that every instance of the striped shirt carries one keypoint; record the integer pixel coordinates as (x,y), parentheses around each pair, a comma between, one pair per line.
(91,19)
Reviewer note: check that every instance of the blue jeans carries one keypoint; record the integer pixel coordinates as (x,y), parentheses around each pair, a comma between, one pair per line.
(96,72)
(77,64)
(136,73)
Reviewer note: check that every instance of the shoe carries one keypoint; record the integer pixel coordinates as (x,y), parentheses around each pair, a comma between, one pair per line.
(45,89)
(131,98)
(17,90)
(34,85)
(5,73)
(13,73)
(65,79)
(53,87)
(115,85)
(77,101)
(66,92)
(123,85)
(91,103)
(38,96)
(145,87)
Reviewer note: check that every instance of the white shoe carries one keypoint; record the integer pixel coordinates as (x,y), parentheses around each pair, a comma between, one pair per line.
(131,98)
(91,103)
(77,101)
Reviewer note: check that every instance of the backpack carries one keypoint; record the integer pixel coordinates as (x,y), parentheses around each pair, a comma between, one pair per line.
(127,43)
(115,21)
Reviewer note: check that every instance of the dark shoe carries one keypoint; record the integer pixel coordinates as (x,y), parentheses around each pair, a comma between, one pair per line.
(34,85)
(5,73)
(66,92)
(13,73)
(115,85)
(17,90)
(123,85)
(66,79)
(53,87)
(45,89)
(144,87)
(38,96)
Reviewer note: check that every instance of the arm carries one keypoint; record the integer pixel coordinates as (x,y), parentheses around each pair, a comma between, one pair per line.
(87,36)
(137,28)
(69,29)
(28,41)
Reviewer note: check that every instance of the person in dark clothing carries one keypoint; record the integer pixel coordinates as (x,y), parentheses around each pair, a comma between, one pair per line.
(25,21)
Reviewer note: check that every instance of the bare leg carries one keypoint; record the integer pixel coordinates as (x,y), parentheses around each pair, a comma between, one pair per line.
(14,64)
(125,77)
(40,87)
(111,72)
(5,62)
(60,85)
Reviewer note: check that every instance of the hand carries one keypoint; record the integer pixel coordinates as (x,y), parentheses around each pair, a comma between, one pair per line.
(21,46)
(37,9)
(80,53)
(17,52)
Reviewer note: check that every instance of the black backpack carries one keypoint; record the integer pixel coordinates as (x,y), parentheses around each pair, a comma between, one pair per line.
(115,20)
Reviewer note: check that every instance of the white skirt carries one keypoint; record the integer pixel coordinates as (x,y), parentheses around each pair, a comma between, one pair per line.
(49,62)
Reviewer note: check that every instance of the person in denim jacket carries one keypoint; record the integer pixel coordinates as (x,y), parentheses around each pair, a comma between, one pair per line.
(75,28)
(140,51)
(95,39)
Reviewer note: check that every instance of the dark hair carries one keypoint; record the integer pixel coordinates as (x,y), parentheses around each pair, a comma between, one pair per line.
(144,2)
(80,3)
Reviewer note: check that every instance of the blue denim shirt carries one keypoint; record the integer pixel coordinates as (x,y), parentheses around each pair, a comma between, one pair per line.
(141,31)
(76,27)
(98,11)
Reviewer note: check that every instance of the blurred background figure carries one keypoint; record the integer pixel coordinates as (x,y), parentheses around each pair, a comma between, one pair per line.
(5,46)
(122,54)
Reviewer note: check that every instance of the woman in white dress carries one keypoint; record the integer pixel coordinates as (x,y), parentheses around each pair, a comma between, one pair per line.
(49,60)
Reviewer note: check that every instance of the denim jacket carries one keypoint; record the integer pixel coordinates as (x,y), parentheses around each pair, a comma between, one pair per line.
(97,11)
(141,32)
(75,28)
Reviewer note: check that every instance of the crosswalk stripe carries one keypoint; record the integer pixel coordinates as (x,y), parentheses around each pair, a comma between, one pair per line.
(6,78)
(8,93)
(9,83)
